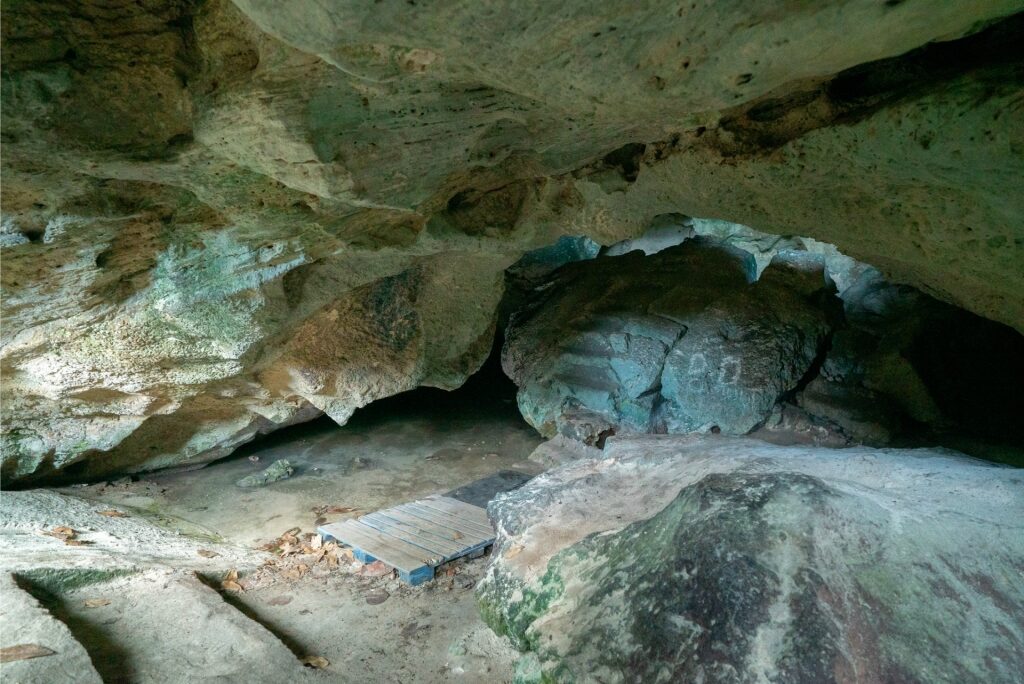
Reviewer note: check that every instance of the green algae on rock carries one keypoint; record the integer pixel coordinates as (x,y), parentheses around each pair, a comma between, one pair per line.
(765,564)
(183,200)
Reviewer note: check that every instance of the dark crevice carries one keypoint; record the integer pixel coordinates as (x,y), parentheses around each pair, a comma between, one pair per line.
(290,642)
(813,371)
(110,660)
(34,234)
(487,393)
(627,160)
(993,56)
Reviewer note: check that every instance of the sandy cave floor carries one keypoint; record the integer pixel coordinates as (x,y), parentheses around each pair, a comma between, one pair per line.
(394,451)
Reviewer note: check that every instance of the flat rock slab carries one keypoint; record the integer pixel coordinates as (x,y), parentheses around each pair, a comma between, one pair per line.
(729,559)
(482,491)
(25,622)
(416,537)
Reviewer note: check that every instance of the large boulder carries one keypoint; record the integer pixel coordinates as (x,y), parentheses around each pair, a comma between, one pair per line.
(730,560)
(679,341)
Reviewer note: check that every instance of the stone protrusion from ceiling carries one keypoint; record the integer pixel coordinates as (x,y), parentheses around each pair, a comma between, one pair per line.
(204,201)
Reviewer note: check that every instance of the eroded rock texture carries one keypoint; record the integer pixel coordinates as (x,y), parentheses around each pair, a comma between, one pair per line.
(222,218)
(729,560)
(681,341)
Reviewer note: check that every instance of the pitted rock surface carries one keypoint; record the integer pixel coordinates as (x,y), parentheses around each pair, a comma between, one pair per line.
(728,560)
(203,200)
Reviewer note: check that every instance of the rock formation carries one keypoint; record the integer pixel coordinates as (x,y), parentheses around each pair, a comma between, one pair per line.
(222,218)
(728,560)
(681,341)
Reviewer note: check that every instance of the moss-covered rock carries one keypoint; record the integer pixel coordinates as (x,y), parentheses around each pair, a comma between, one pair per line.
(766,564)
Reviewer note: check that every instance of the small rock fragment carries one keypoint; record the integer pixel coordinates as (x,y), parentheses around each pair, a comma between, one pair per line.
(315,661)
(278,470)
(375,569)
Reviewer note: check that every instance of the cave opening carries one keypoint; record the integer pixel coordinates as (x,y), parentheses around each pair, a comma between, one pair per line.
(511,342)
(697,334)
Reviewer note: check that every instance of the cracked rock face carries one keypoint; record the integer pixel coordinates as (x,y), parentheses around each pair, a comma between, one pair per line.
(729,560)
(681,341)
(219,219)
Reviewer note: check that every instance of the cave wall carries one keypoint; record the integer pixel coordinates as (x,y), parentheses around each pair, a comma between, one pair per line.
(219,219)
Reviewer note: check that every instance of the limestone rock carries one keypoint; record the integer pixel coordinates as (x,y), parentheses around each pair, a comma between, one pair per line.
(723,559)
(680,341)
(904,362)
(275,472)
(28,622)
(560,450)
(203,202)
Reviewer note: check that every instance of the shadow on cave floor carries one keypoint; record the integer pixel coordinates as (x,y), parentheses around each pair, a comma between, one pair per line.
(405,447)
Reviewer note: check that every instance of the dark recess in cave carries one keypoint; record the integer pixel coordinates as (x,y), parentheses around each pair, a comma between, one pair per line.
(488,392)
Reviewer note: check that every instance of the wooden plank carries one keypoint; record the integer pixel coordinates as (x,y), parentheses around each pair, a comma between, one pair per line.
(438,529)
(448,539)
(474,513)
(470,513)
(392,551)
(445,519)
(451,519)
(468,508)
(440,547)
(432,528)
(417,536)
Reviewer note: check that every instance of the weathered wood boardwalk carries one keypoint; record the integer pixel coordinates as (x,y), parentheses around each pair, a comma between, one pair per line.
(416,537)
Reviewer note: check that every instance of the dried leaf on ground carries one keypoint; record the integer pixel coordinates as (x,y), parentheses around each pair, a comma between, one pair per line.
(96,602)
(282,600)
(377,596)
(23,652)
(230,581)
(315,661)
(112,513)
(297,572)
(327,508)
(206,553)
(61,532)
(514,551)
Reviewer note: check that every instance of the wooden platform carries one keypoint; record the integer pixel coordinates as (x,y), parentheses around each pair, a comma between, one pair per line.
(416,537)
